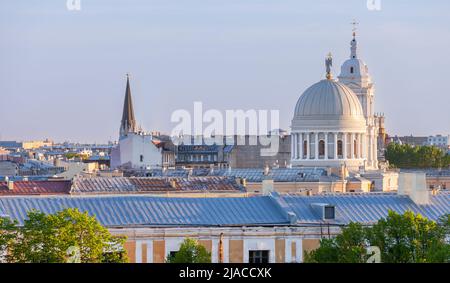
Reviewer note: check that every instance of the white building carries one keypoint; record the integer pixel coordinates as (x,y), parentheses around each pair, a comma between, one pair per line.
(334,123)
(438,140)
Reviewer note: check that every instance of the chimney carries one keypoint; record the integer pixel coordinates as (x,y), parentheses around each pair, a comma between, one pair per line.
(173,183)
(414,185)
(10,185)
(266,170)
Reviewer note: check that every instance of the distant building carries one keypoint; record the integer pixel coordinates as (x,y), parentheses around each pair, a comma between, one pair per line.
(8,168)
(234,152)
(136,149)
(11,145)
(411,140)
(439,141)
(36,144)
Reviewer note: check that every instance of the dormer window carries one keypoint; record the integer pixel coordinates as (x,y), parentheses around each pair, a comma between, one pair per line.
(351,70)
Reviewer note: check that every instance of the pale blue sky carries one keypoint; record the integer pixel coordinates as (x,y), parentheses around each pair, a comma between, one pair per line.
(62,73)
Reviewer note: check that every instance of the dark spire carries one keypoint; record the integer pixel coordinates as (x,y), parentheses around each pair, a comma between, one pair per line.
(128,123)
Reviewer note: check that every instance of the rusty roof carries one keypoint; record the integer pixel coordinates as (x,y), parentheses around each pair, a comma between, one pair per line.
(136,185)
(35,188)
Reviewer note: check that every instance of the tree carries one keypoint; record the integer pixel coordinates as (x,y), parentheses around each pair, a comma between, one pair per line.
(62,236)
(7,233)
(190,252)
(407,156)
(407,238)
(410,238)
(347,247)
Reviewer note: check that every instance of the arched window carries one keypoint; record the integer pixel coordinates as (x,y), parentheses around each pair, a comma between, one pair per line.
(339,148)
(351,70)
(305,148)
(321,148)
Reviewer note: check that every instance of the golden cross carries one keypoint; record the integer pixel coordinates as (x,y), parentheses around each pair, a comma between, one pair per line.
(354,23)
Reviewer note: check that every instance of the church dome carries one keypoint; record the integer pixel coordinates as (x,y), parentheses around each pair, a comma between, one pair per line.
(328,104)
(328,98)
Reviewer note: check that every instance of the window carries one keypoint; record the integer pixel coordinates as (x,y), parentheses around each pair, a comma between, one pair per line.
(305,148)
(351,70)
(141,158)
(329,212)
(355,148)
(339,148)
(321,148)
(261,256)
(172,254)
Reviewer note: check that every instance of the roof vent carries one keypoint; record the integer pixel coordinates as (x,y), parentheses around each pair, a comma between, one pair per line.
(324,210)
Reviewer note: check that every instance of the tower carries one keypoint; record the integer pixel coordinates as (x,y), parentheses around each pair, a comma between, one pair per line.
(355,75)
(128,123)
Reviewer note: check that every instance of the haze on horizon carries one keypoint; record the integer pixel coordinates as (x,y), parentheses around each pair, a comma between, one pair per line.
(62,73)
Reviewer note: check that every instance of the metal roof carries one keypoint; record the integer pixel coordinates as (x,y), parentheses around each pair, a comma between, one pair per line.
(36,188)
(99,185)
(254,174)
(131,210)
(366,207)
(154,211)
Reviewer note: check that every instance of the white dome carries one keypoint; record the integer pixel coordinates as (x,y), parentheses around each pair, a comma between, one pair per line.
(328,104)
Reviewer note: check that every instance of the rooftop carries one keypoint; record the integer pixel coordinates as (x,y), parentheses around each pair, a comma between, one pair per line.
(133,210)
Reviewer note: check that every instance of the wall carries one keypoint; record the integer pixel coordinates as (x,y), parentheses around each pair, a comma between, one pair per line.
(133,146)
(285,244)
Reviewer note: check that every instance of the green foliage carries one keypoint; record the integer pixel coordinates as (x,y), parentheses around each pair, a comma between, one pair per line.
(7,232)
(407,238)
(407,156)
(49,238)
(347,247)
(190,252)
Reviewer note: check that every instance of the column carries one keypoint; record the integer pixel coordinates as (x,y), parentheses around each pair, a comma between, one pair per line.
(326,145)
(294,142)
(352,146)
(359,145)
(300,144)
(344,145)
(316,145)
(308,149)
(364,146)
(292,146)
(335,145)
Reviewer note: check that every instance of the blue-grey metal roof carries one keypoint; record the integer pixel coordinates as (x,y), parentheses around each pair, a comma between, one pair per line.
(155,211)
(365,207)
(122,211)
(254,174)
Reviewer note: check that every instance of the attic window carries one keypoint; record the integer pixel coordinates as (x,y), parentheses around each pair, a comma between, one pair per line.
(351,70)
(329,212)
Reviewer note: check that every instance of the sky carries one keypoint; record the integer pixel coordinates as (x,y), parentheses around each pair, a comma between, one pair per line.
(62,72)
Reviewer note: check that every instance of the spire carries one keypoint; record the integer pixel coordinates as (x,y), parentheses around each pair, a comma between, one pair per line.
(328,64)
(353,43)
(128,123)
